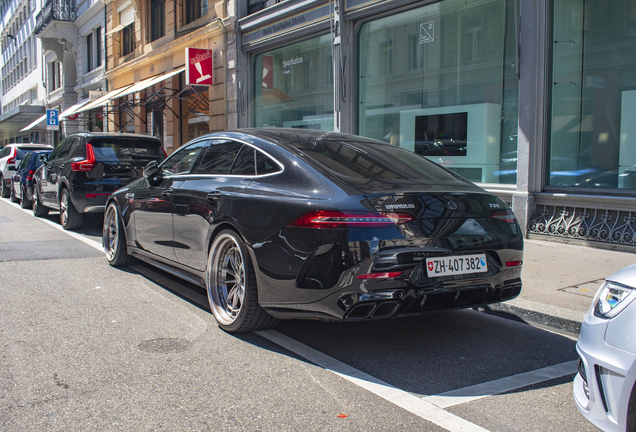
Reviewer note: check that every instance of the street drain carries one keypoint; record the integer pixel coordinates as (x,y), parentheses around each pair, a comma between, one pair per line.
(165,345)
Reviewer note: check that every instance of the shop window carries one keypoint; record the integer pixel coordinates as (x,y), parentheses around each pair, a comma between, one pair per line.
(95,120)
(157,19)
(128,39)
(593,85)
(286,94)
(195,9)
(421,88)
(195,106)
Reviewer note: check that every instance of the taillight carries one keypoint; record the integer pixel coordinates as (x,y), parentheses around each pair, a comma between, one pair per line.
(165,155)
(513,263)
(30,175)
(385,275)
(336,219)
(11,159)
(86,164)
(504,216)
(95,195)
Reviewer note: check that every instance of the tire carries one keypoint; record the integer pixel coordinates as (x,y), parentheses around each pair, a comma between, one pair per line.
(24,201)
(231,284)
(13,198)
(4,190)
(69,217)
(38,209)
(631,412)
(114,238)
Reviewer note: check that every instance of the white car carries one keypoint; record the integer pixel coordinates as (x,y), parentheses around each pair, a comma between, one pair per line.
(10,157)
(604,388)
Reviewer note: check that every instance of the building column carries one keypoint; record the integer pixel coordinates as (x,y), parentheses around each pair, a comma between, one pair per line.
(533,99)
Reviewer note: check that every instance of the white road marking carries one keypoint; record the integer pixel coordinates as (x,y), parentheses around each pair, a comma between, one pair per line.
(80,237)
(405,400)
(468,394)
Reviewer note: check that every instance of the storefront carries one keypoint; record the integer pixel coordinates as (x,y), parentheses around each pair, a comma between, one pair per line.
(532,100)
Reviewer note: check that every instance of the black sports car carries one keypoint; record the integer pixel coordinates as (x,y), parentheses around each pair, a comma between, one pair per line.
(282,223)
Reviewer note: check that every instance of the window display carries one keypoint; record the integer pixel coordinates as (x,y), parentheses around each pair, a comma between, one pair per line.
(440,80)
(289,90)
(593,100)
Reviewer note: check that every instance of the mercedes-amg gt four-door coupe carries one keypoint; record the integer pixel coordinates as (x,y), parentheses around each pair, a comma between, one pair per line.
(287,223)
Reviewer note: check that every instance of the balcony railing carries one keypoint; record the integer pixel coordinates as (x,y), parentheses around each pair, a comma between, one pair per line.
(58,10)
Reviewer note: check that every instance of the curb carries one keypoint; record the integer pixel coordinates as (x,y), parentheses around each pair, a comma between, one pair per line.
(505,310)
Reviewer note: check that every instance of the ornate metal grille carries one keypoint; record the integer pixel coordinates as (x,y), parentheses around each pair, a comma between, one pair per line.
(603,225)
(59,10)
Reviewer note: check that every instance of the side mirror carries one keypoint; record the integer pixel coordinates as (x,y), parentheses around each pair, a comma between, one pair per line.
(151,170)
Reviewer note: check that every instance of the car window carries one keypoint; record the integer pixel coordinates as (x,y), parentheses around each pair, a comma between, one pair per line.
(22,151)
(371,160)
(244,163)
(63,145)
(219,157)
(66,147)
(182,161)
(265,165)
(117,149)
(25,161)
(4,152)
(38,160)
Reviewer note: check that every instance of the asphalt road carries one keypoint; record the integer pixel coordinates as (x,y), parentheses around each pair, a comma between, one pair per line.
(85,346)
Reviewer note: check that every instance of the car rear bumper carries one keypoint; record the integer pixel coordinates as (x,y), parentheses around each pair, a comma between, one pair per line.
(396,298)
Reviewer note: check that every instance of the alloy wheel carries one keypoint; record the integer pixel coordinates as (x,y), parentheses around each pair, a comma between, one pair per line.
(226,287)
(64,209)
(110,233)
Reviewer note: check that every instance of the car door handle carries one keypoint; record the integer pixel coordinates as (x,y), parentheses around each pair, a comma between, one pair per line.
(167,192)
(214,196)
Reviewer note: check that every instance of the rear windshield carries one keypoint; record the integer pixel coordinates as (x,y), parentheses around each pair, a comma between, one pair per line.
(21,151)
(370,160)
(119,149)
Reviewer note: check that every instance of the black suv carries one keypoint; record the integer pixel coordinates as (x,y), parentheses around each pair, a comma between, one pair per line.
(85,168)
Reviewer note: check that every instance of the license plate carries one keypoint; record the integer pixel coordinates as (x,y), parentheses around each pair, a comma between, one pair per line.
(456,265)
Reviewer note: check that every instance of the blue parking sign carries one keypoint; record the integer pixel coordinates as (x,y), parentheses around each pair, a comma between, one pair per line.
(52,120)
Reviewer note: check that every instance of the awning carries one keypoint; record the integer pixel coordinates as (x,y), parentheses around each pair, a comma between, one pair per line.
(74,108)
(102,100)
(149,82)
(34,124)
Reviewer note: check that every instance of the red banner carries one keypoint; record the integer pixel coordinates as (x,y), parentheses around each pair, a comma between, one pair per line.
(199,66)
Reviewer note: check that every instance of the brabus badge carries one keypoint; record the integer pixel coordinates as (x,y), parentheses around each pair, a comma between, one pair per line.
(399,206)
(451,205)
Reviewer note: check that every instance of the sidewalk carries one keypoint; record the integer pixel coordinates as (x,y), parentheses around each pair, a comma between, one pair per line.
(560,281)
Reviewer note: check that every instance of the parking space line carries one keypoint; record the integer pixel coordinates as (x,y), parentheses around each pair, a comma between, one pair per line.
(490,388)
(77,236)
(405,400)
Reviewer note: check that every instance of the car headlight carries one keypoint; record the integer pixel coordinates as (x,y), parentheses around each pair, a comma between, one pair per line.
(612,298)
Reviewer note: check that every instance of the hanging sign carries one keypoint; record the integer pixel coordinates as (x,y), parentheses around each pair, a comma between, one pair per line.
(199,66)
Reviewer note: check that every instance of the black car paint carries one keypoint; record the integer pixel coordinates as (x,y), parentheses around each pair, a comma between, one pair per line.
(312,273)
(102,180)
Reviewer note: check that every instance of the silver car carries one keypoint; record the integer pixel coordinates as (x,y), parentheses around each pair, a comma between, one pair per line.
(604,388)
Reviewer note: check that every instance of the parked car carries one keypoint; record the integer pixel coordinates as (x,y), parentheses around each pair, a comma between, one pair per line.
(21,182)
(10,157)
(287,223)
(85,168)
(604,388)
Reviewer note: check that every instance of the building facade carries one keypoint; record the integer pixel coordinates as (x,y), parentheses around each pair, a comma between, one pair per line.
(145,60)
(23,92)
(531,99)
